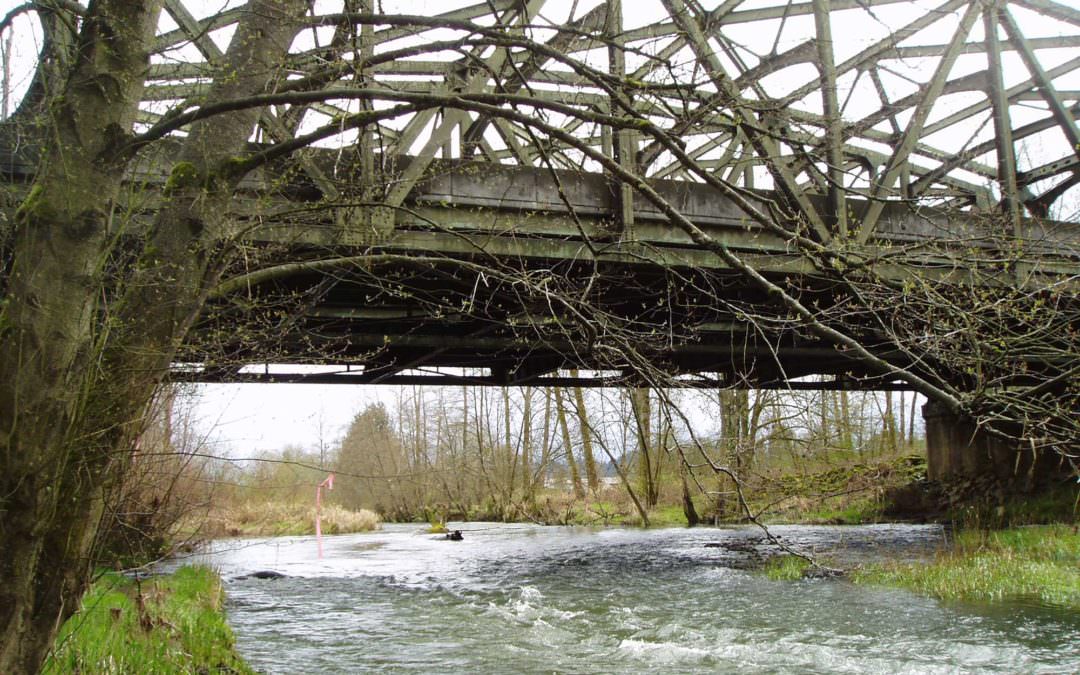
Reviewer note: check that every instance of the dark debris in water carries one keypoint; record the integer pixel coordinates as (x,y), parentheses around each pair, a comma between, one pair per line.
(261,574)
(738,546)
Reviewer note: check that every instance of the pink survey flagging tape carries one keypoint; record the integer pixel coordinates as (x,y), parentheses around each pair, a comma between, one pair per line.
(329,485)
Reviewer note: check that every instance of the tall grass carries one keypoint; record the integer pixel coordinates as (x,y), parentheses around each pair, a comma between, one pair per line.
(786,567)
(173,624)
(1040,563)
(282,518)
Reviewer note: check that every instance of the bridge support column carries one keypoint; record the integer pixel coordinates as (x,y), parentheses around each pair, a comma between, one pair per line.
(957,448)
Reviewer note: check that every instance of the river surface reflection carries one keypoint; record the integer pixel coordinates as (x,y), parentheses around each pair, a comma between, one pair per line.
(520,598)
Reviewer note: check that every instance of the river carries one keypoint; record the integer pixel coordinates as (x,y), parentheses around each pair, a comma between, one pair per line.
(529,599)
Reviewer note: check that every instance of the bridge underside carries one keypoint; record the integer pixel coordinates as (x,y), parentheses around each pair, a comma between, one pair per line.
(501,275)
(517,276)
(470,321)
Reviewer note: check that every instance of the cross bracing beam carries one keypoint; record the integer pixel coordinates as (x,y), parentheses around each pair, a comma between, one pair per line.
(684,109)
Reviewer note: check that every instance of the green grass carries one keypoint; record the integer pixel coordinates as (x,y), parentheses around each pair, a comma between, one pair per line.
(1040,563)
(609,513)
(667,515)
(786,567)
(850,494)
(178,626)
(856,512)
(1057,504)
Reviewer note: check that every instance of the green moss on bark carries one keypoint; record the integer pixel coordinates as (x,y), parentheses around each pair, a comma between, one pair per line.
(184,175)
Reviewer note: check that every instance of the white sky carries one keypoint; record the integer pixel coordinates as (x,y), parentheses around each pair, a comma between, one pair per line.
(240,419)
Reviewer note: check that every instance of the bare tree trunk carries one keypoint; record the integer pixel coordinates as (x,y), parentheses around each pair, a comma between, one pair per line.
(639,403)
(465,428)
(546,442)
(586,438)
(858,421)
(621,469)
(901,425)
(826,428)
(689,511)
(419,452)
(743,445)
(730,428)
(511,452)
(661,447)
(575,476)
(911,420)
(890,424)
(526,445)
(479,418)
(442,462)
(844,421)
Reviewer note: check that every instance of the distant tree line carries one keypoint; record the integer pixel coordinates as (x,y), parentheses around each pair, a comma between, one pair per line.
(497,453)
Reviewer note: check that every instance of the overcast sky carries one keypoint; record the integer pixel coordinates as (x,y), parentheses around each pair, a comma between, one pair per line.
(243,418)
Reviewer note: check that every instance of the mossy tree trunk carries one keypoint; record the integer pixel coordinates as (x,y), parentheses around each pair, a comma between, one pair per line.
(55,469)
(84,345)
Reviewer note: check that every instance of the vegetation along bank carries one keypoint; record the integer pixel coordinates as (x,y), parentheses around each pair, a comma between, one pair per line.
(161,625)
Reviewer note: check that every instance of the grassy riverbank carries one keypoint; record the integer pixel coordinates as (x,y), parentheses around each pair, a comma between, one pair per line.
(1040,563)
(170,624)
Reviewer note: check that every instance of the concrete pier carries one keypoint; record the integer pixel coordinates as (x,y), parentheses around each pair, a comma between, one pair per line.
(957,448)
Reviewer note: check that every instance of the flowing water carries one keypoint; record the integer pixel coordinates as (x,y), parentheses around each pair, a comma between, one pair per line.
(513,598)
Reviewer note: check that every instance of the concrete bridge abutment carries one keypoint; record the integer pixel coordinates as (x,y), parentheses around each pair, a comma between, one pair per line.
(957,448)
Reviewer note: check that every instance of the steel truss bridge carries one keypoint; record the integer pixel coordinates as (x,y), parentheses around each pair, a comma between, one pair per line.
(466,202)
